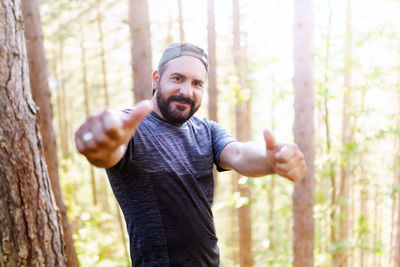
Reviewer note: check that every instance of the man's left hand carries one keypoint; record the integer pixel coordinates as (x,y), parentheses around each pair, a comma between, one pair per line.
(285,159)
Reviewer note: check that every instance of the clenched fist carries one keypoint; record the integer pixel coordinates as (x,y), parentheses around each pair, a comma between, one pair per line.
(285,159)
(102,137)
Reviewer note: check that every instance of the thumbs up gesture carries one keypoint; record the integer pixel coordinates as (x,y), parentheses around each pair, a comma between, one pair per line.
(285,159)
(102,137)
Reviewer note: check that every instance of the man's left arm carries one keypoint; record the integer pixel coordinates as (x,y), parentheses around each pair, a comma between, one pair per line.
(253,160)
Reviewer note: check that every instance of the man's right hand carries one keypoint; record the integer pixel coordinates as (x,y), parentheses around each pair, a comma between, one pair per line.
(102,137)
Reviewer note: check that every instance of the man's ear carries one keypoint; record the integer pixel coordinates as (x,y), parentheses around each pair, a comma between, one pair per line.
(156,77)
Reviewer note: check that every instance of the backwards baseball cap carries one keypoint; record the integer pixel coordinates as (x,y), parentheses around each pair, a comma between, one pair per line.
(183,49)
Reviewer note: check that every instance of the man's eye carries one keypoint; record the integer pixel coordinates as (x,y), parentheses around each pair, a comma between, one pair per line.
(177,78)
(198,84)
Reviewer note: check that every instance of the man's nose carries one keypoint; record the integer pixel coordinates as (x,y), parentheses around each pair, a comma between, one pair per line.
(186,89)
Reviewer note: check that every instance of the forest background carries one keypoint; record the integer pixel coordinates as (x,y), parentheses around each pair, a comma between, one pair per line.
(356,102)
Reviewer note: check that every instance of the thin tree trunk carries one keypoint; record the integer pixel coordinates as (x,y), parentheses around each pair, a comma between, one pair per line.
(87,106)
(271,191)
(169,39)
(61,109)
(181,30)
(41,95)
(303,83)
(30,228)
(141,49)
(377,231)
(103,181)
(331,166)
(364,213)
(243,134)
(344,194)
(102,53)
(396,197)
(122,229)
(212,73)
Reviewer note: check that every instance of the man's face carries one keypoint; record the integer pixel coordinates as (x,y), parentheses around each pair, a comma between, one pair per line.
(180,88)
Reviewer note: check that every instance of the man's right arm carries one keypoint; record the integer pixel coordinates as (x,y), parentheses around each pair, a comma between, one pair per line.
(102,138)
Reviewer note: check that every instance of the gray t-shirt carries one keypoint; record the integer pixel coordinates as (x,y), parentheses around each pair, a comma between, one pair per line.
(164,185)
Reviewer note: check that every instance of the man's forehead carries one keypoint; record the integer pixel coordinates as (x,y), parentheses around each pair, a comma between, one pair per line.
(187,66)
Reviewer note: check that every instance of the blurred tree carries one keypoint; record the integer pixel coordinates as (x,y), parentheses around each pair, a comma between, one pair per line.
(99,21)
(395,244)
(272,182)
(243,132)
(141,49)
(30,228)
(62,97)
(41,95)
(303,128)
(342,253)
(181,30)
(87,105)
(325,97)
(212,73)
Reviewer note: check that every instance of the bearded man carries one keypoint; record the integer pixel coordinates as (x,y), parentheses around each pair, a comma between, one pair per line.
(159,160)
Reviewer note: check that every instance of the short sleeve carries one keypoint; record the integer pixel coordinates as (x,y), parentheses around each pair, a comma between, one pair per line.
(220,138)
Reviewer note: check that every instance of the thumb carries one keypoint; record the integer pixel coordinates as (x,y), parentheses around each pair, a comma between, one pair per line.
(269,139)
(142,109)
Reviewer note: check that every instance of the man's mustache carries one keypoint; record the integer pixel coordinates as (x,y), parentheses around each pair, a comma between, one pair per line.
(181,98)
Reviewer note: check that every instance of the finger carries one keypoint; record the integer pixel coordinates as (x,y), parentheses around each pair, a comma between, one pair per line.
(286,153)
(297,173)
(79,144)
(269,139)
(102,140)
(141,110)
(112,124)
(293,163)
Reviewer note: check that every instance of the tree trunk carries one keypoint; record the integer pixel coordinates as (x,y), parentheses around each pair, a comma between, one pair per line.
(41,95)
(396,196)
(141,49)
(344,194)
(212,73)
(243,132)
(102,53)
(271,191)
(326,119)
(103,178)
(62,114)
(87,106)
(30,228)
(303,83)
(181,30)
(122,228)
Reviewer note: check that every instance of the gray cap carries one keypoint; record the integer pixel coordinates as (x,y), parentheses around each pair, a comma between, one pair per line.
(183,49)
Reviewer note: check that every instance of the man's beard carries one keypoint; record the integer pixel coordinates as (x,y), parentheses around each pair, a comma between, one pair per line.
(174,116)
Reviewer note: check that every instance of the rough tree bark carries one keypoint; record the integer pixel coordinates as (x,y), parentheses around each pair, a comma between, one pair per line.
(30,229)
(141,49)
(41,95)
(303,83)
(243,132)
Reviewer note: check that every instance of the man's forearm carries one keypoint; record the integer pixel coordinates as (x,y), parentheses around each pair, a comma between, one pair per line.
(248,159)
